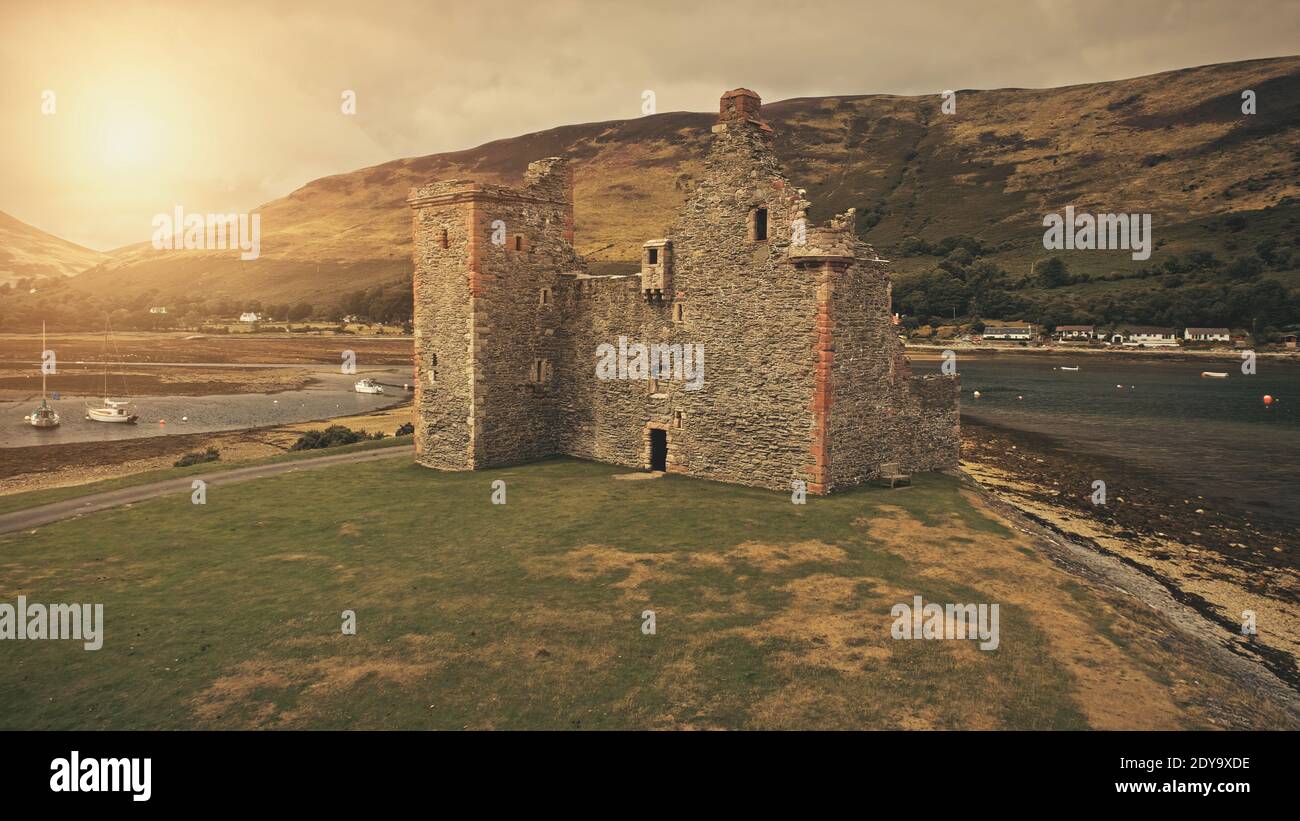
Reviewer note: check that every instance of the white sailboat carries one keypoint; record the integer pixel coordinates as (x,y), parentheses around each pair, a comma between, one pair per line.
(44,416)
(112,410)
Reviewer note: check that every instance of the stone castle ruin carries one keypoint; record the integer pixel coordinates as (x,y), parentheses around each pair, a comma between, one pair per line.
(753,347)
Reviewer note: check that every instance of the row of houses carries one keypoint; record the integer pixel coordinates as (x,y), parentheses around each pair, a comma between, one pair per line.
(1146,336)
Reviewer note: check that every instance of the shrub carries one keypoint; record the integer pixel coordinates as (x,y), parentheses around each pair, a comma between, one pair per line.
(333,436)
(1244,267)
(198,457)
(406,430)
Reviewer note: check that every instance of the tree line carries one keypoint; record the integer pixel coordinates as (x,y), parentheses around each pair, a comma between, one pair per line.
(1195,289)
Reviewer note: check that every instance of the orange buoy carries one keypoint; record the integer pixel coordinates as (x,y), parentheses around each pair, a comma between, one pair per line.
(1268,400)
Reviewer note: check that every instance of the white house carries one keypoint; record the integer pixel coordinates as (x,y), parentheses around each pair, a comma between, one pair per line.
(1207,334)
(1012,333)
(1076,333)
(1145,336)
(249,316)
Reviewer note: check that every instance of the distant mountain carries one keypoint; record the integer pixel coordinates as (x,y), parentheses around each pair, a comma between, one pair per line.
(1174,144)
(26,252)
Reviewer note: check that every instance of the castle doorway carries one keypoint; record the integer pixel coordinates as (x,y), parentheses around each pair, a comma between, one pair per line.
(658,449)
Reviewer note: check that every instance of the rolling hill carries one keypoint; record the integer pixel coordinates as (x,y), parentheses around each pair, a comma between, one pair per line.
(1174,144)
(28,252)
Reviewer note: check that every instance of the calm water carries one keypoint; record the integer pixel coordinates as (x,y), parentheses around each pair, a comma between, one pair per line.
(333,396)
(1214,435)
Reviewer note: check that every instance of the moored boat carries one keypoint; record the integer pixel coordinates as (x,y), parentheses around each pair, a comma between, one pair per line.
(368,386)
(112,410)
(1214,374)
(44,416)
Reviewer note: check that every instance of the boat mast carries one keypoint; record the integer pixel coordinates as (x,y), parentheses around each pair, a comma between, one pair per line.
(105,355)
(43,349)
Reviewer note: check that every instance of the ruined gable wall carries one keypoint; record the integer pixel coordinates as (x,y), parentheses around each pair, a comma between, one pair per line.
(751,421)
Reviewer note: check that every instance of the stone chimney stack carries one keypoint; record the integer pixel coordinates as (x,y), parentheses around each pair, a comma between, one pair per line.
(741,107)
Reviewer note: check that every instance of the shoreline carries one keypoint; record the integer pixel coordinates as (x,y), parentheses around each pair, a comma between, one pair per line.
(79,463)
(1219,562)
(930,351)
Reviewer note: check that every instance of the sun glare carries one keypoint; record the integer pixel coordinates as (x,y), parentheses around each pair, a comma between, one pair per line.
(125,141)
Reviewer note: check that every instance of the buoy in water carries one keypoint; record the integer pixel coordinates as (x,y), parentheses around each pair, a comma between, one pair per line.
(162,423)
(1268,400)
(1020,397)
(977,394)
(185,419)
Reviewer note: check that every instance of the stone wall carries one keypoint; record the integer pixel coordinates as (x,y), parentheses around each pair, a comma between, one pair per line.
(880,413)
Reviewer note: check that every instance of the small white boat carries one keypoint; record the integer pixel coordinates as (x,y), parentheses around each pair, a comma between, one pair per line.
(368,386)
(113,411)
(44,416)
(1069,367)
(1214,374)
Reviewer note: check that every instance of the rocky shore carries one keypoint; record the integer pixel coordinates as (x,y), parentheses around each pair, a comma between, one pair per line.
(1220,561)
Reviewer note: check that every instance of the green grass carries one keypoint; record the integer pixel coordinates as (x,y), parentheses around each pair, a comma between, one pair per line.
(524,615)
(35,498)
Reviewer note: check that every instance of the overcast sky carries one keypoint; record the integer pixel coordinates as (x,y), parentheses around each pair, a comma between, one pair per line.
(222,106)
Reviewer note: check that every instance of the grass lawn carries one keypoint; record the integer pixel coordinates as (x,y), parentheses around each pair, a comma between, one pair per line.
(528,614)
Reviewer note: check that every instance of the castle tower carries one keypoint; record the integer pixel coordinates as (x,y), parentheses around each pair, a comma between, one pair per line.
(487,260)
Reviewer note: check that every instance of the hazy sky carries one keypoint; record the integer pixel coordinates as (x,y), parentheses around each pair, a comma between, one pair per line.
(222,106)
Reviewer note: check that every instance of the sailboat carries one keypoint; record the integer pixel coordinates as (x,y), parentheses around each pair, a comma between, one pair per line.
(113,410)
(44,416)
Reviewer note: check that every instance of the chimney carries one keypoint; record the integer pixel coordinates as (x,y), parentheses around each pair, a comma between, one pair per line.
(741,107)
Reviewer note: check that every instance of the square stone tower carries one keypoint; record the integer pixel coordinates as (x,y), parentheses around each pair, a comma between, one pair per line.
(487,262)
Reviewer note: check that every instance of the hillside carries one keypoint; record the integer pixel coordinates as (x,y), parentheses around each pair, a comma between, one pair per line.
(1173,144)
(28,252)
